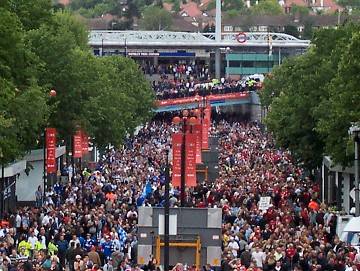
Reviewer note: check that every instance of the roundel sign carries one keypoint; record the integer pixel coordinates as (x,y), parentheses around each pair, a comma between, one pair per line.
(241,37)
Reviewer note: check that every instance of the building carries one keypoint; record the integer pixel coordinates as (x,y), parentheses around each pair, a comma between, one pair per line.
(279,23)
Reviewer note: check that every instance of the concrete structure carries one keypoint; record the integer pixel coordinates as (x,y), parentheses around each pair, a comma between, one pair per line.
(189,228)
(164,47)
(338,186)
(8,187)
(26,185)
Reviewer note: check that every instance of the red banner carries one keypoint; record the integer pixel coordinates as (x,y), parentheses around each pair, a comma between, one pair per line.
(50,150)
(198,131)
(205,136)
(176,159)
(207,116)
(77,145)
(213,97)
(84,143)
(190,162)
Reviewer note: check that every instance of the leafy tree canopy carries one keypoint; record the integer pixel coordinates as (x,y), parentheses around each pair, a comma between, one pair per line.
(155,18)
(267,7)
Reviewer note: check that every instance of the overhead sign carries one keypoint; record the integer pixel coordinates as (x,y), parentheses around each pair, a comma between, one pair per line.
(142,54)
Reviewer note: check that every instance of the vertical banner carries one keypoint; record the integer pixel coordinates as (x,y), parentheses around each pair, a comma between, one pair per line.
(198,132)
(50,150)
(205,136)
(84,143)
(176,159)
(207,116)
(77,145)
(190,162)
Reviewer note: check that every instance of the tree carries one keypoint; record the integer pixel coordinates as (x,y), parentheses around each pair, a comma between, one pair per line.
(308,30)
(342,107)
(155,18)
(304,108)
(31,13)
(176,6)
(228,5)
(291,30)
(129,97)
(267,7)
(299,10)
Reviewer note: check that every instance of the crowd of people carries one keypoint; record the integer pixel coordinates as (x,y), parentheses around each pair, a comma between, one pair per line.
(90,223)
(180,88)
(178,70)
(187,80)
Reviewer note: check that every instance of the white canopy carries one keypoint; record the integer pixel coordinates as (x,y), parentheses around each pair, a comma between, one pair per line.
(353,225)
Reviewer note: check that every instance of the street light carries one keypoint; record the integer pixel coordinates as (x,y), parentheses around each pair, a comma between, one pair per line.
(227,49)
(185,121)
(167,213)
(354,130)
(52,94)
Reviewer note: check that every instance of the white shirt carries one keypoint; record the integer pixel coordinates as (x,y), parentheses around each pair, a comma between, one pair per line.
(234,246)
(259,258)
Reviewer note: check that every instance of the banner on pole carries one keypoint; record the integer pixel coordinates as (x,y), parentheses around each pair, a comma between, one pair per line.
(176,159)
(198,132)
(77,145)
(190,162)
(205,136)
(85,143)
(50,150)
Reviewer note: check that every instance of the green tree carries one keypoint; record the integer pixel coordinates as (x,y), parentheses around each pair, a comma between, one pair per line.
(299,10)
(342,107)
(176,6)
(155,18)
(291,30)
(297,94)
(267,7)
(31,13)
(125,88)
(23,113)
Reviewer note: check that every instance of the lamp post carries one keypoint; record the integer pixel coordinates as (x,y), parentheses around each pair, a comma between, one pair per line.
(167,213)
(2,184)
(184,120)
(354,130)
(52,94)
(228,50)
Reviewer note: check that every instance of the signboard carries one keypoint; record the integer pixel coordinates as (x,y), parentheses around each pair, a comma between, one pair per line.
(241,37)
(264,203)
(198,132)
(176,159)
(77,145)
(190,162)
(50,150)
(142,54)
(213,97)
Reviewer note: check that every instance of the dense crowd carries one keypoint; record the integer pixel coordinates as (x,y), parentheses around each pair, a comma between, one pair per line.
(91,222)
(188,87)
(178,70)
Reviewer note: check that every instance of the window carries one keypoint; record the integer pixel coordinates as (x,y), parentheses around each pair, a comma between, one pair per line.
(234,64)
(228,28)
